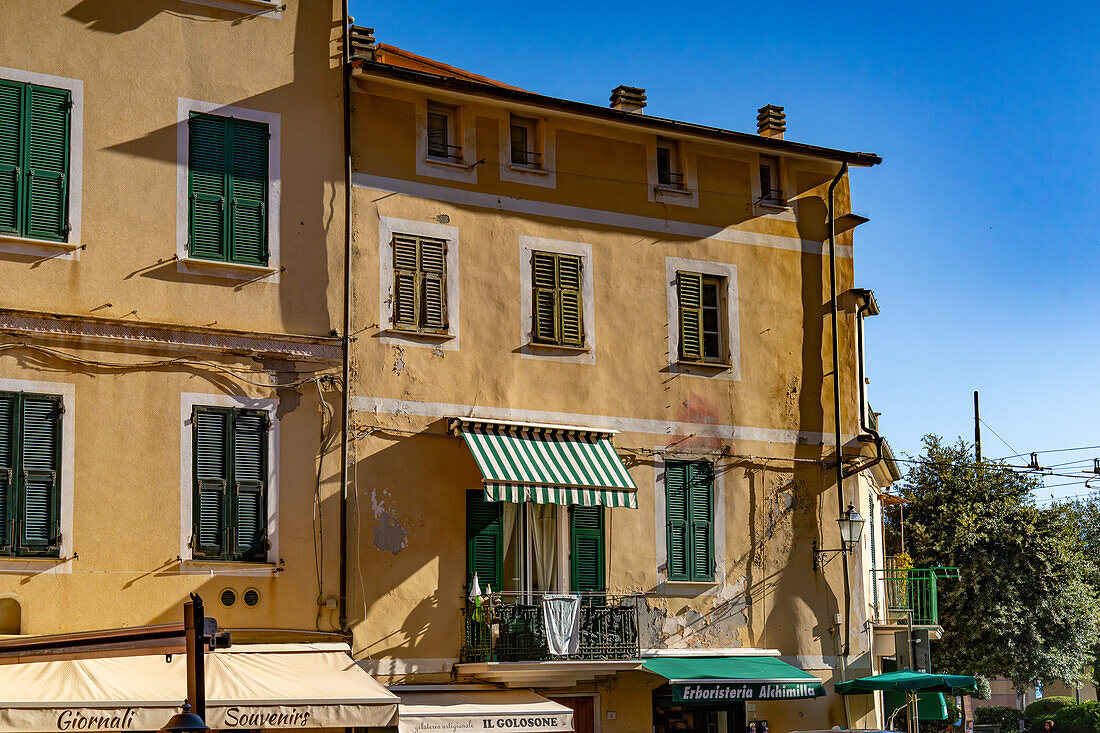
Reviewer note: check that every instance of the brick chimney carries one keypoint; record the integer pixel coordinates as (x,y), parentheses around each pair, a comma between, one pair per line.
(628,99)
(362,43)
(771,122)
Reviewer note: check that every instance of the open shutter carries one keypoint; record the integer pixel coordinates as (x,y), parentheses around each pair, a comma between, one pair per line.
(7,470)
(405,303)
(433,271)
(40,530)
(248,192)
(47,162)
(11,154)
(689,290)
(700,495)
(569,284)
(210,426)
(209,153)
(484,546)
(587,549)
(544,296)
(250,484)
(676,519)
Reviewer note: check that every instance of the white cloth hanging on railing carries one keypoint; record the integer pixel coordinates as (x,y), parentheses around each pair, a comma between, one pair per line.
(561,615)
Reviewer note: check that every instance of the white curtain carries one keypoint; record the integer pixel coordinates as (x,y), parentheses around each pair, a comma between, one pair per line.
(544,531)
(509,539)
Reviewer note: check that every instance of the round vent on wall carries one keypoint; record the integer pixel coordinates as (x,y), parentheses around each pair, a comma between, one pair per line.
(229,597)
(251,597)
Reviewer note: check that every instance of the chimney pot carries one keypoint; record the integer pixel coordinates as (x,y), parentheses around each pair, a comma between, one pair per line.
(628,99)
(771,121)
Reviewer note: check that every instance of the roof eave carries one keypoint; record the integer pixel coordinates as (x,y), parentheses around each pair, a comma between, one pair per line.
(398,73)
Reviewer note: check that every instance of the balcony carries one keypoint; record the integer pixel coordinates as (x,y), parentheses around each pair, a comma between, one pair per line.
(912,593)
(510,628)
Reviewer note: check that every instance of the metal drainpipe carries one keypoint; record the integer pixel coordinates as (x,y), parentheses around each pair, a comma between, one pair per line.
(863,426)
(345,419)
(836,401)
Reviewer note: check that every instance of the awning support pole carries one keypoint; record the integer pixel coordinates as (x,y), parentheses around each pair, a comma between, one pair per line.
(194,624)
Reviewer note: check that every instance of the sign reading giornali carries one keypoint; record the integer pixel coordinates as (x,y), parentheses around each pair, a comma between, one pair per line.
(722,691)
(142,718)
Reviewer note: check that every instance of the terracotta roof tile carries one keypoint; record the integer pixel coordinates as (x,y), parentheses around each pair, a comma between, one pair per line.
(395,56)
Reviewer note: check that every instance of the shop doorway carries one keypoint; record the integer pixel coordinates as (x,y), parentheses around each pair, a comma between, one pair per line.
(584,712)
(693,717)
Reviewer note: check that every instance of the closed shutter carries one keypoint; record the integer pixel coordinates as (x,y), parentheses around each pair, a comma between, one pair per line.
(405,306)
(249,484)
(544,296)
(676,518)
(874,555)
(433,271)
(248,192)
(569,285)
(689,291)
(7,469)
(484,546)
(209,153)
(587,549)
(210,426)
(47,163)
(40,452)
(700,495)
(11,171)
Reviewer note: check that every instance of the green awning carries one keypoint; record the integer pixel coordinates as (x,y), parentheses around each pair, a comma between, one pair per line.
(547,464)
(931,706)
(707,679)
(906,680)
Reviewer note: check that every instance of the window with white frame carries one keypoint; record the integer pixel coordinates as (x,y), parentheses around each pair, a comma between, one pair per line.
(523,136)
(443,143)
(702,316)
(771,182)
(670,171)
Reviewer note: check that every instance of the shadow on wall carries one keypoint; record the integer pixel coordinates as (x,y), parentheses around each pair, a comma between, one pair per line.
(309,195)
(11,617)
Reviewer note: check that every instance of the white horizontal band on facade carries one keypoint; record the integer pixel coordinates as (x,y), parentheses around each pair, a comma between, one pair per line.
(388,406)
(591,216)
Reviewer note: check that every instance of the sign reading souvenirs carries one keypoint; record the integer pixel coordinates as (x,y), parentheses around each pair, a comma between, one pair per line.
(144,718)
(734,691)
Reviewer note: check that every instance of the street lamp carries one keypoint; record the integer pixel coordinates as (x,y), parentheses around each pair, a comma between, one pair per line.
(851,528)
(185,722)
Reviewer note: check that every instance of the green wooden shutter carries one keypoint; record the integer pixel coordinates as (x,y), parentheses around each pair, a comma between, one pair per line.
(406,305)
(678,540)
(544,296)
(700,495)
(7,470)
(40,531)
(210,428)
(689,290)
(11,156)
(569,289)
(209,154)
(484,545)
(248,192)
(433,272)
(47,163)
(249,461)
(588,549)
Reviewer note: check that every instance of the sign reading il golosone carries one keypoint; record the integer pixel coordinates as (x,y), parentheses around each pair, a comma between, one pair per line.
(503,723)
(734,691)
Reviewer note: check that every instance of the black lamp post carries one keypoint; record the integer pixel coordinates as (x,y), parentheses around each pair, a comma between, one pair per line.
(851,528)
(185,722)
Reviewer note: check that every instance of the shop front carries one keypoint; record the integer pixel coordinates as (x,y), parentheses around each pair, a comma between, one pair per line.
(719,694)
(453,709)
(257,687)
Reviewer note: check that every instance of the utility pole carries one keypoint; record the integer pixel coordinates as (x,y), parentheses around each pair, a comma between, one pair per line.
(977,431)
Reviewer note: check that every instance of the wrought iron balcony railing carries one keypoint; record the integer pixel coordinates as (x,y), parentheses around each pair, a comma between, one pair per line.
(510,627)
(913,592)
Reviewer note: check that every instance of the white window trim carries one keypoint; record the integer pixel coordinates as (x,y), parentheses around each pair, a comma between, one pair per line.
(189,565)
(733,337)
(688,195)
(530,350)
(545,135)
(184,263)
(465,130)
(387,227)
(61,564)
(68,250)
(273,10)
(788,210)
(679,587)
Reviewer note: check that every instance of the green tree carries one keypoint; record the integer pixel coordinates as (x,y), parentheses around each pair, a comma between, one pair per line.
(1084,516)
(1022,607)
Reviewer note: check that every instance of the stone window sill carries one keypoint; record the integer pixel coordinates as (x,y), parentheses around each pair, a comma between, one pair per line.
(192,566)
(426,335)
(234,270)
(552,348)
(47,246)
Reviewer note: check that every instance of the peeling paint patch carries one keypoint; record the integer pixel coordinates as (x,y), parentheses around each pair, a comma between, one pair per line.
(398,360)
(389,535)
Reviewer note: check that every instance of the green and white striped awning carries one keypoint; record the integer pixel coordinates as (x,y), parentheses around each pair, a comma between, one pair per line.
(547,464)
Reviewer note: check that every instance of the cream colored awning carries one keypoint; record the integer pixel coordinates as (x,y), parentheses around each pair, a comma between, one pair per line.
(507,711)
(257,686)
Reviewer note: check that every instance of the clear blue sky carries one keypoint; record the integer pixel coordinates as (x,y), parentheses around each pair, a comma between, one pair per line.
(982,246)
